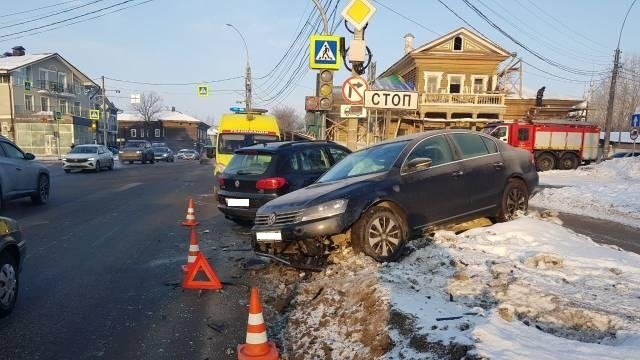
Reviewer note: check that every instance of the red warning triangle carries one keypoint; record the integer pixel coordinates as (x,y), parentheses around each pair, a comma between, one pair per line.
(201,264)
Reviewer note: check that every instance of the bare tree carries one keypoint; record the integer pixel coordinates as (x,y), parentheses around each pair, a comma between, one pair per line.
(627,96)
(149,107)
(288,118)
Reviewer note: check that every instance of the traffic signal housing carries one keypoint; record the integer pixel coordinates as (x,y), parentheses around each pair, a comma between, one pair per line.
(325,90)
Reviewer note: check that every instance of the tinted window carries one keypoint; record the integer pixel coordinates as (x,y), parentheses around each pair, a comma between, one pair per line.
(337,153)
(523,134)
(375,159)
(470,145)
(248,164)
(84,150)
(311,160)
(228,143)
(490,144)
(11,151)
(435,148)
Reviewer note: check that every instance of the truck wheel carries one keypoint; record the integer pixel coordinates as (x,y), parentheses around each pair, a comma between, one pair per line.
(545,162)
(568,161)
(380,233)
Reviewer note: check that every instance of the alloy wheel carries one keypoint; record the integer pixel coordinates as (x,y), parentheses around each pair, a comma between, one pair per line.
(44,189)
(516,201)
(384,235)
(8,284)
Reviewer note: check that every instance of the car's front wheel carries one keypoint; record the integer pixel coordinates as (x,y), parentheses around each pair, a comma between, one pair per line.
(42,192)
(515,199)
(8,283)
(380,233)
(98,166)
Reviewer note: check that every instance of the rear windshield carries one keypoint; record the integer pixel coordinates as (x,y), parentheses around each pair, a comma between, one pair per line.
(134,145)
(248,164)
(228,143)
(84,150)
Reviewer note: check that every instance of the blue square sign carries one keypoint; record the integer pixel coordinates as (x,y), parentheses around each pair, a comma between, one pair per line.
(324,52)
(635,120)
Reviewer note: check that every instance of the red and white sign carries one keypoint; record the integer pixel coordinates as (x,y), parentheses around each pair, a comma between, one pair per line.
(353,90)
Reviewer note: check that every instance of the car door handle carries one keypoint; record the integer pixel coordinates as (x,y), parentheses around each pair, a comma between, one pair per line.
(498,165)
(457,174)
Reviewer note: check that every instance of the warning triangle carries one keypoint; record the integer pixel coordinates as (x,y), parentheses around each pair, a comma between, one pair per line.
(325,53)
(201,264)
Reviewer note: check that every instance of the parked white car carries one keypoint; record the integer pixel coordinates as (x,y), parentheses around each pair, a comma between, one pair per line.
(88,157)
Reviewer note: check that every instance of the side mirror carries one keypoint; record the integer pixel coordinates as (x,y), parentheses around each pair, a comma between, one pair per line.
(29,156)
(418,164)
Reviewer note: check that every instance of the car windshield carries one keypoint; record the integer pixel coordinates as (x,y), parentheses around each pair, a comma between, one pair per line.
(373,160)
(161,149)
(248,164)
(84,150)
(228,143)
(134,145)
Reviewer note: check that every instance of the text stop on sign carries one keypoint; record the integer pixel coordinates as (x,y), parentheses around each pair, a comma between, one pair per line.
(382,99)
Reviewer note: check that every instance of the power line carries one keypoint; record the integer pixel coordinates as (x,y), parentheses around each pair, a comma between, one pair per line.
(40,8)
(173,84)
(50,15)
(406,17)
(79,21)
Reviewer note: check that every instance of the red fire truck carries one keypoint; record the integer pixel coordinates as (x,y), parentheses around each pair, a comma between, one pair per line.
(555,144)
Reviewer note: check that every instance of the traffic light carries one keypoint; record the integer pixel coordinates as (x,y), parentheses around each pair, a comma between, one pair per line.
(325,89)
(94,125)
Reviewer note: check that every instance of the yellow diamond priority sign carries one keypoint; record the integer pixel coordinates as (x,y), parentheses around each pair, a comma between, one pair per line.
(358,13)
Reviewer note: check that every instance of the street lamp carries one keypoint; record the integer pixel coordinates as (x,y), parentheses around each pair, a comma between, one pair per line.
(247,81)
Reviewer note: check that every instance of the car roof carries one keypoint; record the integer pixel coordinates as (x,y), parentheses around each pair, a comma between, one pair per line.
(276,145)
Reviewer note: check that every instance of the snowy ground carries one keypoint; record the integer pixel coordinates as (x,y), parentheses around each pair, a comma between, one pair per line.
(529,288)
(609,190)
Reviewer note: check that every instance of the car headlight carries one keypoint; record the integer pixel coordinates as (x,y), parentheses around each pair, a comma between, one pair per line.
(120,152)
(138,152)
(330,208)
(64,159)
(91,159)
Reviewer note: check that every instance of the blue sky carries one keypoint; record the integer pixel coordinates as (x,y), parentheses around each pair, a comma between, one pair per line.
(167,41)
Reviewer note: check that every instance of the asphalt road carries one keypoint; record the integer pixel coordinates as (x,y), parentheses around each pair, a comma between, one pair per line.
(102,274)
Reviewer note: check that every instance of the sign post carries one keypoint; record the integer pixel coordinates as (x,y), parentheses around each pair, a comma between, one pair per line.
(633,134)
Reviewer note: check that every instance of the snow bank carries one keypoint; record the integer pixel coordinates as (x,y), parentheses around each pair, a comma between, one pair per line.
(609,190)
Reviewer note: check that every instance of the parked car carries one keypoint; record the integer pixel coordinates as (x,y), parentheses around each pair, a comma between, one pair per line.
(188,154)
(137,150)
(88,157)
(393,191)
(159,144)
(163,154)
(12,253)
(260,173)
(20,175)
(625,154)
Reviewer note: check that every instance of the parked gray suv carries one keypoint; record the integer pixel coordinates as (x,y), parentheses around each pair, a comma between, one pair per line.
(20,175)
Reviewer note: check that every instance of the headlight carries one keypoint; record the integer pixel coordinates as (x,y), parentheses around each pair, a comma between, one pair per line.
(120,152)
(138,152)
(323,210)
(64,159)
(91,159)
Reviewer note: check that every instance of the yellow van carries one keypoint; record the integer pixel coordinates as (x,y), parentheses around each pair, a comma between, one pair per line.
(237,130)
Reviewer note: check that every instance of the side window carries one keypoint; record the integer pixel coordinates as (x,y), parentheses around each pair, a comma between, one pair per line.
(523,134)
(435,148)
(490,144)
(313,160)
(11,151)
(470,145)
(337,153)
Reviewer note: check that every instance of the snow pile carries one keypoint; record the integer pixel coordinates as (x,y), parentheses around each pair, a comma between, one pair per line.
(608,190)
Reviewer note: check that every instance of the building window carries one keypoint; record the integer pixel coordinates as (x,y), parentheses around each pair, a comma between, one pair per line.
(133,133)
(457,43)
(480,84)
(28,102)
(455,84)
(432,82)
(4,79)
(63,107)
(44,103)
(76,108)
(157,133)
(141,133)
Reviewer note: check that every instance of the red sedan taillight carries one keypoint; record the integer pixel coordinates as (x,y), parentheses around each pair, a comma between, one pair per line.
(271,183)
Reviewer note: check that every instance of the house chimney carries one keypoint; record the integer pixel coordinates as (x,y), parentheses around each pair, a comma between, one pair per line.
(18,50)
(173,109)
(408,43)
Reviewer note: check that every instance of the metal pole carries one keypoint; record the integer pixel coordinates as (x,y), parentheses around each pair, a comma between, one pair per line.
(325,22)
(104,114)
(247,79)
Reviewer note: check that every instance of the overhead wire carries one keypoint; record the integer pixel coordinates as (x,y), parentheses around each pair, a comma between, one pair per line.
(22,22)
(39,8)
(407,18)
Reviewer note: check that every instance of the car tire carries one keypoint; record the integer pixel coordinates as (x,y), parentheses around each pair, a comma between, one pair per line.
(514,198)
(9,281)
(153,160)
(110,166)
(97,167)
(67,170)
(568,161)
(388,225)
(545,162)
(42,195)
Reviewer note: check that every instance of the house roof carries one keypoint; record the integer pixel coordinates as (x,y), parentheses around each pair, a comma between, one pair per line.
(463,31)
(162,116)
(10,63)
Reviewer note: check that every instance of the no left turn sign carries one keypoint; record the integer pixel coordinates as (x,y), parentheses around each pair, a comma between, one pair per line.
(353,90)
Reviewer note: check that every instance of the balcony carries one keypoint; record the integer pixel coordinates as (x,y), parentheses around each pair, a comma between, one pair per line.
(462,99)
(57,87)
(29,112)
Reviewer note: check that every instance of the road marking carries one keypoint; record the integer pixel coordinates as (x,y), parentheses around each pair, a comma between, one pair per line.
(127,187)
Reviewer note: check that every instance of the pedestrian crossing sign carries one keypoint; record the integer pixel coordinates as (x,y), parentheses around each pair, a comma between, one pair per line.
(94,114)
(324,52)
(203,90)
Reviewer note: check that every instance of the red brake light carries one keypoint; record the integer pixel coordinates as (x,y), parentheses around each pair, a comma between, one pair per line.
(271,183)
(220,181)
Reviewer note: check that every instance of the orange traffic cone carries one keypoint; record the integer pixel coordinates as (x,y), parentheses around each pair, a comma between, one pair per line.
(191,215)
(257,346)
(194,249)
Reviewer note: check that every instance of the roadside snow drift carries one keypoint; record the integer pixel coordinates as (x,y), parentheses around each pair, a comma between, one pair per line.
(609,190)
(524,289)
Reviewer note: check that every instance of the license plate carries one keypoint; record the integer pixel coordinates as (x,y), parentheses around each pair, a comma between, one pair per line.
(269,236)
(238,202)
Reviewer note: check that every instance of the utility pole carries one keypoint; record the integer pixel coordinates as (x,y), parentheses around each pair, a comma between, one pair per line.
(325,31)
(104,113)
(247,79)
